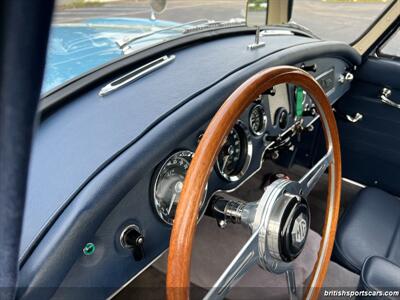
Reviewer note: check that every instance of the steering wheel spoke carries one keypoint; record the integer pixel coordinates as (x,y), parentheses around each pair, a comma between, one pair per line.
(311,178)
(291,282)
(244,260)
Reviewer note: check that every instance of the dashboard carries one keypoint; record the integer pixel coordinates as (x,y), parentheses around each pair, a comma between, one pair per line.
(266,127)
(271,115)
(106,172)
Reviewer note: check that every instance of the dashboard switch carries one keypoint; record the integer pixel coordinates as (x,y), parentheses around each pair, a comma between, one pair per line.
(345,77)
(309,68)
(281,118)
(133,239)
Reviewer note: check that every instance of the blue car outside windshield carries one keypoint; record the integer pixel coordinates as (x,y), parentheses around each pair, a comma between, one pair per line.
(77,48)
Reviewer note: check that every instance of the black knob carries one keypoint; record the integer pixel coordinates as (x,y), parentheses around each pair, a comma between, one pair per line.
(281,118)
(269,138)
(310,112)
(309,68)
(133,239)
(271,92)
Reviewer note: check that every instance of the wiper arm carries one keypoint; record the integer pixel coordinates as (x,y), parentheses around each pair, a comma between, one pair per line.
(215,24)
(126,41)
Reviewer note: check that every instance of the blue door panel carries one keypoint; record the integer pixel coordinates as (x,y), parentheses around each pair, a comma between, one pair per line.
(371,147)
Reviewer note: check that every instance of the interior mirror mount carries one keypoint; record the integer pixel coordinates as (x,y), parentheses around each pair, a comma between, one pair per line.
(267,12)
(256,16)
(157,7)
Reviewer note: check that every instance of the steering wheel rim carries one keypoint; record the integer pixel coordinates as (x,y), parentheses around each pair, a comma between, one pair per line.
(181,241)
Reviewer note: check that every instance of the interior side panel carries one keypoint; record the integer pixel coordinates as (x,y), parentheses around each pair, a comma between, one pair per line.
(370,147)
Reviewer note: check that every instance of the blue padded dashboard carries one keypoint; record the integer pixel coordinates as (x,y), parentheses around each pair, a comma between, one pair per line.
(61,161)
(93,156)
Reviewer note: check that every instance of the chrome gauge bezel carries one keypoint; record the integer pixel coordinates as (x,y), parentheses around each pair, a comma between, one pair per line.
(247,159)
(264,120)
(156,178)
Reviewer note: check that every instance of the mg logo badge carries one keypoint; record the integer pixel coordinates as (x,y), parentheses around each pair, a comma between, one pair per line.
(299,231)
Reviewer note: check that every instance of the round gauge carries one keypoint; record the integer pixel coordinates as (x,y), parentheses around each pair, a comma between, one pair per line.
(169,183)
(234,157)
(257,120)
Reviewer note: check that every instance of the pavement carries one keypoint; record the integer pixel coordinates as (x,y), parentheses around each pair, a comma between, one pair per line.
(330,20)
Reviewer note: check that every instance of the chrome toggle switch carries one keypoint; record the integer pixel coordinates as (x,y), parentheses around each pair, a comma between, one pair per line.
(133,239)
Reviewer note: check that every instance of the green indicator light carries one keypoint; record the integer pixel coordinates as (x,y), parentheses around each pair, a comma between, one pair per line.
(299,101)
(89,249)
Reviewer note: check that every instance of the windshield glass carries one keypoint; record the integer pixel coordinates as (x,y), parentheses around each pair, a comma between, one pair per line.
(338,20)
(88,33)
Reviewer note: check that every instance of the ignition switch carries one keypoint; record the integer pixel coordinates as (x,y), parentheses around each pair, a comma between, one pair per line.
(133,239)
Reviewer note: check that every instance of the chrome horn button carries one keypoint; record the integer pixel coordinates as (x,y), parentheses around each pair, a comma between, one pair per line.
(299,230)
(284,220)
(294,228)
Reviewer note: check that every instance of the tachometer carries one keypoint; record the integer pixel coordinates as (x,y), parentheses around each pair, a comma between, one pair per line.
(257,119)
(168,185)
(234,157)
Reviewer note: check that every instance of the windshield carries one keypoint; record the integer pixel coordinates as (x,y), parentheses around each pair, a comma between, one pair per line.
(86,34)
(339,20)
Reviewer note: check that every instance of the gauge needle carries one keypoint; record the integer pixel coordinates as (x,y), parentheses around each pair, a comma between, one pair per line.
(226,157)
(172,203)
(178,189)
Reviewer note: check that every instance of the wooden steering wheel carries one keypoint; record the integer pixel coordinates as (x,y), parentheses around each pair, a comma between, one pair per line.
(280,220)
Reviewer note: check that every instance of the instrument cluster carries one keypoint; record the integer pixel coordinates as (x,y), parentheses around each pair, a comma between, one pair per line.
(262,124)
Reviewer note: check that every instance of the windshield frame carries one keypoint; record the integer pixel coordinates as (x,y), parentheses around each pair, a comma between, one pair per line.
(388,9)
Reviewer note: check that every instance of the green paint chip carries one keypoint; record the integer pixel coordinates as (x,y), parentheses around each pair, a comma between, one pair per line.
(89,249)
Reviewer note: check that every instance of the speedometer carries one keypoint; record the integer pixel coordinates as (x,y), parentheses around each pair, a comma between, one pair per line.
(168,185)
(234,157)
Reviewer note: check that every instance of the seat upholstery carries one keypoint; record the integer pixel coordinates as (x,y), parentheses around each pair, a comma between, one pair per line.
(379,274)
(370,226)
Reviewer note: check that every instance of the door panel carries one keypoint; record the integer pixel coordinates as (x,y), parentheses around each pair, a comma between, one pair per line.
(371,147)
